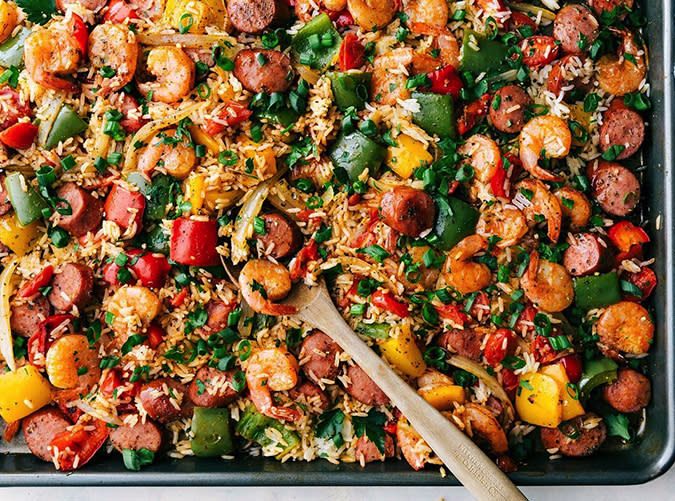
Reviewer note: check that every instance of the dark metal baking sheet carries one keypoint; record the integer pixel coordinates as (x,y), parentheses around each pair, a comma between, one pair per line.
(651,456)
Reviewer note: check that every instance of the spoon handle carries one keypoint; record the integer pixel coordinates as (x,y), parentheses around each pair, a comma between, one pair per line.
(464,458)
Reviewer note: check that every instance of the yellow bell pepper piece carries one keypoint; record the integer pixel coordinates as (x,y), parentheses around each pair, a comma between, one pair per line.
(265,157)
(195,15)
(442,396)
(538,400)
(214,200)
(22,392)
(403,353)
(570,397)
(201,137)
(16,237)
(583,118)
(407,156)
(195,192)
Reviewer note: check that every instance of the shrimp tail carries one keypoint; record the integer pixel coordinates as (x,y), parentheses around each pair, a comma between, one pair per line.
(530,161)
(284,413)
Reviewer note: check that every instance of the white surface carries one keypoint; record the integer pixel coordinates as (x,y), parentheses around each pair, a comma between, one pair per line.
(660,489)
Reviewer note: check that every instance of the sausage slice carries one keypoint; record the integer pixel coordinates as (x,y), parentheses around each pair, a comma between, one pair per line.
(616,189)
(87,211)
(261,70)
(72,286)
(575,28)
(464,342)
(163,399)
(141,435)
(586,440)
(507,110)
(586,254)
(629,393)
(367,452)
(282,238)
(623,128)
(41,427)
(407,210)
(601,6)
(318,354)
(255,16)
(212,388)
(364,389)
(26,317)
(311,395)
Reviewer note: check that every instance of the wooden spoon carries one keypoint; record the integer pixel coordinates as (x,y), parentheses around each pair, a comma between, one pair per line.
(467,462)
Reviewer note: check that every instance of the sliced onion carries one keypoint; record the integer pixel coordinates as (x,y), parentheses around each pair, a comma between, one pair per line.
(283,200)
(245,327)
(85,407)
(188,40)
(152,128)
(506,76)
(477,370)
(307,74)
(6,347)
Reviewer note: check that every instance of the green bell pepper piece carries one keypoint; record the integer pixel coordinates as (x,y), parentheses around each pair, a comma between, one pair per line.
(455,220)
(596,373)
(27,202)
(350,89)
(597,291)
(355,153)
(490,57)
(11,50)
(212,434)
(252,426)
(320,56)
(138,179)
(157,194)
(285,116)
(66,124)
(376,330)
(157,241)
(436,114)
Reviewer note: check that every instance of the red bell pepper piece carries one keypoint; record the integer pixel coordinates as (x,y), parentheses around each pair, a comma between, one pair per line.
(233,114)
(111,381)
(119,11)
(80,34)
(542,350)
(453,313)
(194,242)
(155,335)
(480,307)
(131,121)
(628,239)
(645,280)
(510,382)
(520,19)
(179,298)
(472,113)
(525,322)
(72,448)
(150,268)
(343,18)
(351,53)
(14,110)
(11,429)
(573,367)
(125,208)
(538,50)
(19,136)
(33,286)
(445,80)
(499,344)
(386,301)
(39,343)
(307,254)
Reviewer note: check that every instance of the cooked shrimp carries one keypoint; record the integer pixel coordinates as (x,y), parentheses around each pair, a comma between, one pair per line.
(421,278)
(415,450)
(431,12)
(114,47)
(486,429)
(547,284)
(546,135)
(262,282)
(432,377)
(496,9)
(174,74)
(390,76)
(9,17)
(462,273)
(372,14)
(272,369)
(50,54)
(506,222)
(620,75)
(535,198)
(444,40)
(335,5)
(176,157)
(625,327)
(575,207)
(483,154)
(133,307)
(71,362)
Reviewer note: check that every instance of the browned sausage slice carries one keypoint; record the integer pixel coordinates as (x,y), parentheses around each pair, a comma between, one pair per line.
(87,211)
(622,127)
(587,440)
(507,110)
(141,435)
(364,389)
(586,254)
(41,427)
(616,189)
(318,357)
(5,205)
(72,286)
(218,312)
(282,238)
(255,16)
(26,317)
(407,210)
(163,399)
(311,395)
(367,452)
(261,70)
(212,388)
(575,28)
(601,6)
(629,393)
(465,342)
